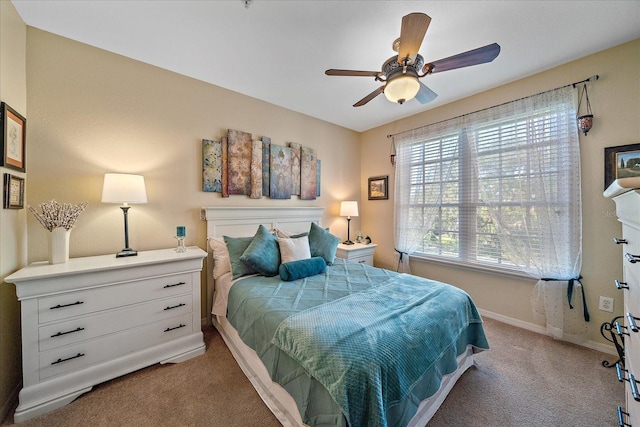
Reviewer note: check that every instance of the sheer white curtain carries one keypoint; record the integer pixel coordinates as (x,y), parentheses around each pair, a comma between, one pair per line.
(415,202)
(523,160)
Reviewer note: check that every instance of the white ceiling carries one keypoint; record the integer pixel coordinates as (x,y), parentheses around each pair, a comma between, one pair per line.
(277,51)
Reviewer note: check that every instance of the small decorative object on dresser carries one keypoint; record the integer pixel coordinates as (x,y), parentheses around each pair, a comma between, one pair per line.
(181,233)
(97,318)
(59,219)
(357,252)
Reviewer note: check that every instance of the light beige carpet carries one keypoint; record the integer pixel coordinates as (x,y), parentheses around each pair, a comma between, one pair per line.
(526,379)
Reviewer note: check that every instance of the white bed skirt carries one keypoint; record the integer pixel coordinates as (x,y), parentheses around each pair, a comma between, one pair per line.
(282,404)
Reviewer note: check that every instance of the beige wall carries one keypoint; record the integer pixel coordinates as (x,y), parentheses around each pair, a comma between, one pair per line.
(93,112)
(615,100)
(13,224)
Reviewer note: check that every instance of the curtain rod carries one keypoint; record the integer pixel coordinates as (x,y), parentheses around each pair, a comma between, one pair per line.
(574,84)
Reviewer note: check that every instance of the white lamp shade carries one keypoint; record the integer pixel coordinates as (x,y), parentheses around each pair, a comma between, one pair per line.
(349,208)
(402,88)
(123,188)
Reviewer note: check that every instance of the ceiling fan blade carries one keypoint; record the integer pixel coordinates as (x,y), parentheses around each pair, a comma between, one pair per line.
(369,97)
(473,57)
(355,73)
(414,27)
(425,95)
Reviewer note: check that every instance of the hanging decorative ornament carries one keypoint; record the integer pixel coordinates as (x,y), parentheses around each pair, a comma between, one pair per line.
(585,122)
(392,155)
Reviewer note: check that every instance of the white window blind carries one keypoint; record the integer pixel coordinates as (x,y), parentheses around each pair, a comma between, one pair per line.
(499,188)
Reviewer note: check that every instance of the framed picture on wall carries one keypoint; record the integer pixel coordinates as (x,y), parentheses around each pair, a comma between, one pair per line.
(378,188)
(13,139)
(621,162)
(13,192)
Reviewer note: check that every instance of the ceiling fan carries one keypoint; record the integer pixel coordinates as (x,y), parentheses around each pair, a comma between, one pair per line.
(401,73)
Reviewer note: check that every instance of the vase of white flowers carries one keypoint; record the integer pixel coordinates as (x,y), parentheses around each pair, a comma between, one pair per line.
(59,219)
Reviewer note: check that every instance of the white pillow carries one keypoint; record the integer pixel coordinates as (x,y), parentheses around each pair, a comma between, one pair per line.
(294,249)
(221,260)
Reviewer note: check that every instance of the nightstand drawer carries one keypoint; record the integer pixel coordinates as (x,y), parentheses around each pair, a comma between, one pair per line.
(72,357)
(72,304)
(366,259)
(94,326)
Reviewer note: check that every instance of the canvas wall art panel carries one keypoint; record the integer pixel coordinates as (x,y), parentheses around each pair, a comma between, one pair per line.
(308,173)
(211,166)
(318,179)
(280,172)
(225,166)
(295,168)
(256,170)
(266,153)
(239,162)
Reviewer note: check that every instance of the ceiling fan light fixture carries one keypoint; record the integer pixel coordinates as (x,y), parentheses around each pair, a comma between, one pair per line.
(402,88)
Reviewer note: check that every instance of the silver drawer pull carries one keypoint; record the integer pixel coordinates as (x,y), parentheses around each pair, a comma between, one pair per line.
(175,327)
(618,241)
(171,307)
(621,415)
(633,384)
(66,305)
(175,284)
(618,327)
(621,285)
(632,258)
(59,334)
(68,358)
(632,322)
(632,381)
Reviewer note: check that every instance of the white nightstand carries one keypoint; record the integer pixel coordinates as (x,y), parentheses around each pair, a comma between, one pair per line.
(95,318)
(357,252)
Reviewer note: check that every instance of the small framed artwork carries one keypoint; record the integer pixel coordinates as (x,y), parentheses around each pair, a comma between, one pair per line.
(621,162)
(13,192)
(13,139)
(379,188)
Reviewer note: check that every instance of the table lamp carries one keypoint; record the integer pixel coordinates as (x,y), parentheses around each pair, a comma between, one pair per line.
(124,188)
(348,209)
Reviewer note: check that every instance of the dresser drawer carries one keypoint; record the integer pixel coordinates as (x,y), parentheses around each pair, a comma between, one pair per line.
(70,304)
(76,356)
(88,327)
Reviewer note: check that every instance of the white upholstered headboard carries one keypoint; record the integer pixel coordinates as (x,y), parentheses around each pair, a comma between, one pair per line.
(244,221)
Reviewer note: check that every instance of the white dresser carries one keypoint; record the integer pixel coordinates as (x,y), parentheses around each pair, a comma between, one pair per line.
(357,252)
(628,212)
(95,318)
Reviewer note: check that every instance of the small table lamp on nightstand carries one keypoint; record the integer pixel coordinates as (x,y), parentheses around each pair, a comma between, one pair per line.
(348,209)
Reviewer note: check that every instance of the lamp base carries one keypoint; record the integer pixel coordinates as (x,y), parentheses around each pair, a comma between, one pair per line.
(348,242)
(126,252)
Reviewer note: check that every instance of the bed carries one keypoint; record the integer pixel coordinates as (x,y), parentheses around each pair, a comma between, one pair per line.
(287,335)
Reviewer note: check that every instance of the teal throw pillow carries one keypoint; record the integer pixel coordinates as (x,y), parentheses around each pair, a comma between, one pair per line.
(302,268)
(263,253)
(236,247)
(322,243)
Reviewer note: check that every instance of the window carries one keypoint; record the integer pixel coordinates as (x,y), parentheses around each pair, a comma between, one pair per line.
(499,188)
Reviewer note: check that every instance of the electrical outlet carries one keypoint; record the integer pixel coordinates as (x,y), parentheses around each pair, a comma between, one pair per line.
(606,304)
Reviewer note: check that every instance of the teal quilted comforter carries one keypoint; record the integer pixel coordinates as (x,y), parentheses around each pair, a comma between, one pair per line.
(356,345)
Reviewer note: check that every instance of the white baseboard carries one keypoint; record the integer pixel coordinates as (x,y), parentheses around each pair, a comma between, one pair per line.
(593,345)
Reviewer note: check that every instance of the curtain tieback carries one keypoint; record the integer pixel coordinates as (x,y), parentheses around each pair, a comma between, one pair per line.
(570,285)
(400,258)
